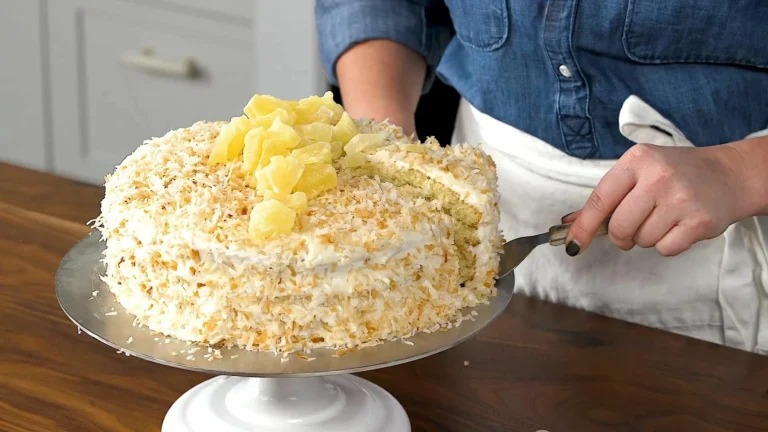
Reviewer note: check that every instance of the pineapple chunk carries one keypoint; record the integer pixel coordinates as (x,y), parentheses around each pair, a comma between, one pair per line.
(265,121)
(219,152)
(316,153)
(353,160)
(345,129)
(261,105)
(317,132)
(365,142)
(337,150)
(316,109)
(413,148)
(316,179)
(283,133)
(270,218)
(296,201)
(231,140)
(271,148)
(252,151)
(280,175)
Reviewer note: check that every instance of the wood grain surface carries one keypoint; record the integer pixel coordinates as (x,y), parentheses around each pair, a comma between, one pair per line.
(538,367)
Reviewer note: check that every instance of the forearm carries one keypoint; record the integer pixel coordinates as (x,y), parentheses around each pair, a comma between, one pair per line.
(382,79)
(752,157)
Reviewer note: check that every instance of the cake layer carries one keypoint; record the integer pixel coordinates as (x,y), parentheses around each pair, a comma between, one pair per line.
(463,180)
(281,310)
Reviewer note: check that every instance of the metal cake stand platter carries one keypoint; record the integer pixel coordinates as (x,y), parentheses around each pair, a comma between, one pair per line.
(258,391)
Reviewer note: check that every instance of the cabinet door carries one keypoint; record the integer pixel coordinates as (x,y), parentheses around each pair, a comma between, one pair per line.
(23,121)
(119,76)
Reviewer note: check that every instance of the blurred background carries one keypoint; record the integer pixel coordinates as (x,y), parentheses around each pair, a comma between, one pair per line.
(84,82)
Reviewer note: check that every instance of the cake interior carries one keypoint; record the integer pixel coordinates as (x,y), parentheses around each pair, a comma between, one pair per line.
(415,183)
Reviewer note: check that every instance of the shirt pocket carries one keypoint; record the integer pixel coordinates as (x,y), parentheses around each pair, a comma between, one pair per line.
(697,31)
(480,24)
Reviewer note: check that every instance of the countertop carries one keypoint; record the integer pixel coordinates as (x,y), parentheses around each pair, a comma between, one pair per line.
(538,367)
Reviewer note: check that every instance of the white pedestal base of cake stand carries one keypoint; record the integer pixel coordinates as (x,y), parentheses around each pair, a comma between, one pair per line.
(339,403)
(259,391)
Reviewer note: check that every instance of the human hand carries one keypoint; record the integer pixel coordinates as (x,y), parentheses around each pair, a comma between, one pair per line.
(664,197)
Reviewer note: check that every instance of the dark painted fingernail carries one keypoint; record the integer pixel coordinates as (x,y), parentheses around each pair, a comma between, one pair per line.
(572,248)
(562,219)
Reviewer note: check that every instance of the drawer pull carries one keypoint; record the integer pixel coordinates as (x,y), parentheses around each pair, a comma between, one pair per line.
(149,63)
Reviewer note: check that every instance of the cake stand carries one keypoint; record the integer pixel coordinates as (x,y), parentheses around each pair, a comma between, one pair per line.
(258,391)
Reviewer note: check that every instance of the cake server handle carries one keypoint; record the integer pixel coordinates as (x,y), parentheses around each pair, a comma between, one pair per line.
(558,233)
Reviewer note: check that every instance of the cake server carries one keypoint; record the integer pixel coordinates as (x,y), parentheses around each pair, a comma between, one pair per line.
(516,250)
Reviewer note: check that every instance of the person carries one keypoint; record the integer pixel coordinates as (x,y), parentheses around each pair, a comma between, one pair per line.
(653,113)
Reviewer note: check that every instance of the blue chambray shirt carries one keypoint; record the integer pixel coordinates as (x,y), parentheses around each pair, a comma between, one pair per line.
(561,69)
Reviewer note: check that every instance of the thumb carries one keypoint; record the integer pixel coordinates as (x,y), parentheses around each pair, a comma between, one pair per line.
(609,192)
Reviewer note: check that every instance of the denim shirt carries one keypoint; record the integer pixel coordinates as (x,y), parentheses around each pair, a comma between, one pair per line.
(561,69)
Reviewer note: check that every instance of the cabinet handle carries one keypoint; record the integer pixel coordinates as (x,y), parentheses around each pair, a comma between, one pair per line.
(149,63)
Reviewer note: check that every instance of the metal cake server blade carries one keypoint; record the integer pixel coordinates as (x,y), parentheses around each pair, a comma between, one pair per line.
(515,251)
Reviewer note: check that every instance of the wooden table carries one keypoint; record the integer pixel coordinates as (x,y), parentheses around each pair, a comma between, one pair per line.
(538,367)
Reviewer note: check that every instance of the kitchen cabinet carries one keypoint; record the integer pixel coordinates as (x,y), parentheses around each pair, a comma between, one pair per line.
(23,136)
(92,79)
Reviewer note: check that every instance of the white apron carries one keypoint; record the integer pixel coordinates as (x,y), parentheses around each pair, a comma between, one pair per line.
(715,291)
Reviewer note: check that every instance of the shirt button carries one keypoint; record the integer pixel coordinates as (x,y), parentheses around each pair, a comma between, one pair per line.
(564,71)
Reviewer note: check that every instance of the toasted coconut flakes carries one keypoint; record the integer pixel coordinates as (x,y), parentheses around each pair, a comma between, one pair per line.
(179,256)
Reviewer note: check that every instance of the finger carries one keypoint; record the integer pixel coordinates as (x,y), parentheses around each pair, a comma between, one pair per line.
(611,190)
(629,216)
(678,240)
(656,226)
(570,217)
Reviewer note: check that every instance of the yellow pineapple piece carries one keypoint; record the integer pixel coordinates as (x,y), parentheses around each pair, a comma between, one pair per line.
(316,109)
(231,140)
(261,105)
(316,179)
(265,121)
(270,218)
(253,148)
(362,143)
(413,148)
(283,133)
(280,175)
(353,160)
(219,152)
(271,148)
(316,132)
(296,201)
(241,126)
(345,129)
(337,150)
(314,153)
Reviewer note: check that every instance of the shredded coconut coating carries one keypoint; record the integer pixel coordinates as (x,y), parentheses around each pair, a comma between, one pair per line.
(471,174)
(364,264)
